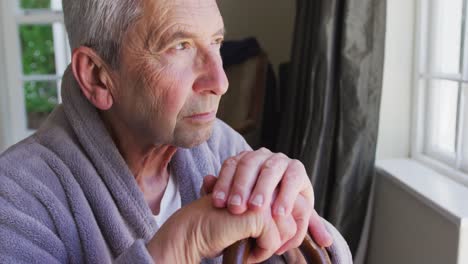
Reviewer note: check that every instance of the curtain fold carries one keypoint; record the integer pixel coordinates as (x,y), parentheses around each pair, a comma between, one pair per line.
(330,114)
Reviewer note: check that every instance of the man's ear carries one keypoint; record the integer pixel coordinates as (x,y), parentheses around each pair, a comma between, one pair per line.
(93,76)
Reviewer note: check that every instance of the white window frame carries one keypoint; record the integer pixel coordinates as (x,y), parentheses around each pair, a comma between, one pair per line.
(13,115)
(446,165)
(4,104)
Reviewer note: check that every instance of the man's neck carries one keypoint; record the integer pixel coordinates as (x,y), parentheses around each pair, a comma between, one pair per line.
(148,163)
(151,171)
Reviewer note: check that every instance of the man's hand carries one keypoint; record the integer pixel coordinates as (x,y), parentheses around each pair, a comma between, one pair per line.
(199,230)
(247,182)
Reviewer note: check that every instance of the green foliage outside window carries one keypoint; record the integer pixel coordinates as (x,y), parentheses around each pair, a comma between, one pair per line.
(38,58)
(33,4)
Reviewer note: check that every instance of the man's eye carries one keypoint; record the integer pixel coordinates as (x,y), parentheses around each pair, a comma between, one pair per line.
(182,45)
(219,41)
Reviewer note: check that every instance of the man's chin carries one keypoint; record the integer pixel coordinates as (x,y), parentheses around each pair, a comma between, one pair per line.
(193,138)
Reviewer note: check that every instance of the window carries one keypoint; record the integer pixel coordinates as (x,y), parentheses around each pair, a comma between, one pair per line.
(36,54)
(441,130)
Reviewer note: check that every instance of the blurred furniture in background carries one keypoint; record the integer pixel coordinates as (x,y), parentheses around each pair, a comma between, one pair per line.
(250,102)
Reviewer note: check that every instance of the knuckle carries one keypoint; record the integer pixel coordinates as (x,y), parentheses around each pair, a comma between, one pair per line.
(230,162)
(239,185)
(293,177)
(309,194)
(277,161)
(246,162)
(244,152)
(270,164)
(296,164)
(282,155)
(264,150)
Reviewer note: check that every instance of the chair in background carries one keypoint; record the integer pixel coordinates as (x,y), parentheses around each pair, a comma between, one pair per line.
(247,106)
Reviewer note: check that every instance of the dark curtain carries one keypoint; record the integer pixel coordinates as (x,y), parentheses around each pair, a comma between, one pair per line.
(330,114)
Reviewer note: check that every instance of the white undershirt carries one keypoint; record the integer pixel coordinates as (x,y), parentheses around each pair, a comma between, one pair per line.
(170,203)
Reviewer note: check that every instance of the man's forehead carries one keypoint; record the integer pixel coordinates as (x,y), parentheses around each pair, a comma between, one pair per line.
(180,6)
(165,17)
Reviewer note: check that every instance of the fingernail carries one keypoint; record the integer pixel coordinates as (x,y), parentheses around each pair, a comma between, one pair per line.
(329,239)
(235,200)
(258,200)
(280,211)
(220,196)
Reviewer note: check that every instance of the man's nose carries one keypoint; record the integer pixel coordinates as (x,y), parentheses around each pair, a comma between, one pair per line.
(212,78)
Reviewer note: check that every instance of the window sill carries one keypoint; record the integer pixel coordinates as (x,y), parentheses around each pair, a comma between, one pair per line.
(442,168)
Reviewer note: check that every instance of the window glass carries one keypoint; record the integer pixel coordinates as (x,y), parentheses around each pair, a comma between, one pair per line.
(446,36)
(37,48)
(442,116)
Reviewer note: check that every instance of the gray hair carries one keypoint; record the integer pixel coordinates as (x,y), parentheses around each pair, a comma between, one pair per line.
(100,24)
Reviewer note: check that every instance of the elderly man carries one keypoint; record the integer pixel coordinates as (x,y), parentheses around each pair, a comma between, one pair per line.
(131,145)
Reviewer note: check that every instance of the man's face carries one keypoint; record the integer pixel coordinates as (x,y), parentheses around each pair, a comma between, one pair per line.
(171,78)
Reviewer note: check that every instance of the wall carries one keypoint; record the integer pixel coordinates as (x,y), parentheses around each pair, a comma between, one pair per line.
(270,21)
(420,216)
(405,230)
(395,113)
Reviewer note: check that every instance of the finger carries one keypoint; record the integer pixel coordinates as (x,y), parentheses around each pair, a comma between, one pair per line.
(244,179)
(208,184)
(226,175)
(287,228)
(266,244)
(318,231)
(212,230)
(301,215)
(270,176)
(295,181)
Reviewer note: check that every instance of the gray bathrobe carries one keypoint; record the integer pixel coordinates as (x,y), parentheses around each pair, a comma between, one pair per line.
(67,195)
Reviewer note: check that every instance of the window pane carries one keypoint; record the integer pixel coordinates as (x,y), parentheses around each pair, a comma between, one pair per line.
(34,4)
(41,98)
(446,28)
(37,47)
(442,116)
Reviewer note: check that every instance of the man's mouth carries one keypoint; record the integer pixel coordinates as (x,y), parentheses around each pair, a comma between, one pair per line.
(202,117)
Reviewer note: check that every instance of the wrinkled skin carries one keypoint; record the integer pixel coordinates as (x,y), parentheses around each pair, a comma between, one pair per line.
(176,72)
(210,231)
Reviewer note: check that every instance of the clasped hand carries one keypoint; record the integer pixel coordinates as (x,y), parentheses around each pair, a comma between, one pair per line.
(268,196)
